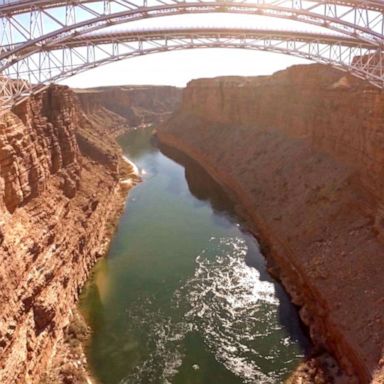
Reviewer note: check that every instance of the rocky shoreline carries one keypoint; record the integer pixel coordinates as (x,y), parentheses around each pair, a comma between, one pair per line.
(63,185)
(69,363)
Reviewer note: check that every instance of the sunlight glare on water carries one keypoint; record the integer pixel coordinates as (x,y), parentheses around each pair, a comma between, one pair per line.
(226,297)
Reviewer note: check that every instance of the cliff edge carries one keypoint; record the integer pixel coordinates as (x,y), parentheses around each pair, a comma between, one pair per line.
(302,152)
(61,192)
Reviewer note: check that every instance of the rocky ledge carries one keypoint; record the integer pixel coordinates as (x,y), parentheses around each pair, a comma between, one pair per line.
(302,153)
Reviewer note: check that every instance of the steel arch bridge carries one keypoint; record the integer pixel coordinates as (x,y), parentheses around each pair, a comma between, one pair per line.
(48,40)
(78,54)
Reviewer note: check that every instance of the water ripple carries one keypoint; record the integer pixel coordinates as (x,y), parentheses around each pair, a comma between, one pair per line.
(230,307)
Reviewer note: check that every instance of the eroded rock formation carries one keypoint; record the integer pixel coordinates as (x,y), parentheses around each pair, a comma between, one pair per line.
(59,201)
(128,106)
(302,151)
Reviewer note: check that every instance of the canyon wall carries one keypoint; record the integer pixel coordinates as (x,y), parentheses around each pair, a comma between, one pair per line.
(62,187)
(123,107)
(302,153)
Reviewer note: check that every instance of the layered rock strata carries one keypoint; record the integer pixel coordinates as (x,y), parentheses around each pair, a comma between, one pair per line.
(302,153)
(123,107)
(59,200)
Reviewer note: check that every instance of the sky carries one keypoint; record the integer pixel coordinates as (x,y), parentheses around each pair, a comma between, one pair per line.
(179,67)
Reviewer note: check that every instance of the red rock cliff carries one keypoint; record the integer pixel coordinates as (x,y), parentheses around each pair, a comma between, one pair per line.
(129,106)
(57,207)
(302,151)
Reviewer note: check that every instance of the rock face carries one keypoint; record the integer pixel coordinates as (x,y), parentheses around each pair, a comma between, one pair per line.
(302,152)
(57,208)
(36,142)
(128,106)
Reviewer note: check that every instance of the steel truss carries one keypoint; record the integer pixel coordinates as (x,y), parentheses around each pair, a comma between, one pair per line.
(82,53)
(27,25)
(32,31)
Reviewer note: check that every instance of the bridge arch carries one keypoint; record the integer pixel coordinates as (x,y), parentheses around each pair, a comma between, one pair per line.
(24,32)
(70,57)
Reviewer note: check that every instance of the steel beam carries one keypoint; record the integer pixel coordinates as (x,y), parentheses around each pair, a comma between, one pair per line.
(65,59)
(29,25)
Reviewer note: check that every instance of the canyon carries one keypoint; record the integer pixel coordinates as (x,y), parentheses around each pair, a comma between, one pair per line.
(301,152)
(63,184)
(117,108)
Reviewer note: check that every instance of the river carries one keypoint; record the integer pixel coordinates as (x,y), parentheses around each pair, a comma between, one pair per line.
(183,296)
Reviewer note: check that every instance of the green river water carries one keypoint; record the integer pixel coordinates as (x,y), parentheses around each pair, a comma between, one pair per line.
(183,296)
